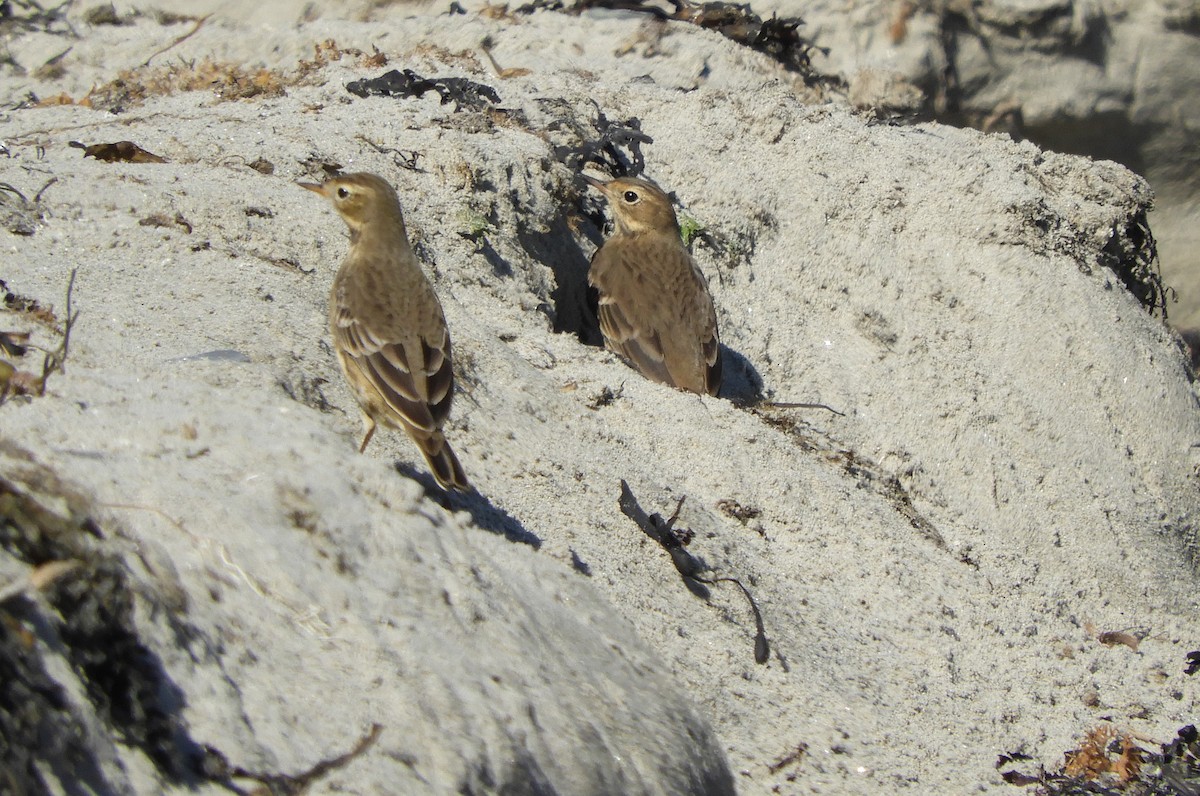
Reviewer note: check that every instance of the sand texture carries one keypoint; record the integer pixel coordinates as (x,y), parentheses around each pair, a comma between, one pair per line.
(1013,472)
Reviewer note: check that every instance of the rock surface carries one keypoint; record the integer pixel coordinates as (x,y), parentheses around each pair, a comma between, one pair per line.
(1113,80)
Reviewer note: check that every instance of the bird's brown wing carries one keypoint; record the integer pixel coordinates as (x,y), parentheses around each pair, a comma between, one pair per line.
(655,310)
(640,346)
(409,370)
(710,344)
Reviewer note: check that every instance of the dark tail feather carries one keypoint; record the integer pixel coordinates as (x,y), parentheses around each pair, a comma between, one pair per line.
(444,464)
(712,380)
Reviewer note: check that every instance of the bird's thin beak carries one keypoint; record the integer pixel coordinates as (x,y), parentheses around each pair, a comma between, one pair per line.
(312,186)
(595,183)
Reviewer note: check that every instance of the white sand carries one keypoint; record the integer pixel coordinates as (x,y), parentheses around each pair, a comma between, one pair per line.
(1014,473)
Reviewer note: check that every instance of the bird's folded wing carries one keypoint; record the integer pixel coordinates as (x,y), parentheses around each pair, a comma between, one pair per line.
(641,346)
(651,291)
(420,395)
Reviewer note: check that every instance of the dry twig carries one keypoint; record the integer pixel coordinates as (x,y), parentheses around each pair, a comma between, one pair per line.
(180,40)
(218,769)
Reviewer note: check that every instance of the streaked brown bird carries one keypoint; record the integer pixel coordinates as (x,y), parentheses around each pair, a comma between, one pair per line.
(655,308)
(388,327)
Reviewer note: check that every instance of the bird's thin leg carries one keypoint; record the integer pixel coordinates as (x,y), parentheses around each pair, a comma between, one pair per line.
(368,431)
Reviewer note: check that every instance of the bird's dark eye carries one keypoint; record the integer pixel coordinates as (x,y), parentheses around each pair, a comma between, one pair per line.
(342,193)
(631,196)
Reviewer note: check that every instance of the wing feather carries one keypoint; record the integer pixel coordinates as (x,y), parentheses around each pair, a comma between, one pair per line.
(407,372)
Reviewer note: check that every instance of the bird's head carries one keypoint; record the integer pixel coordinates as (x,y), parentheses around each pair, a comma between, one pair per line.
(359,198)
(637,205)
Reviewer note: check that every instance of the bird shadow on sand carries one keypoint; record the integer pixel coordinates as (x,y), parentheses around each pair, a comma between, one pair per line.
(573,301)
(740,380)
(483,512)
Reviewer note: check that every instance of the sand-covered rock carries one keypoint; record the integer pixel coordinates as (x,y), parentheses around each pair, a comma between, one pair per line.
(1010,474)
(1108,80)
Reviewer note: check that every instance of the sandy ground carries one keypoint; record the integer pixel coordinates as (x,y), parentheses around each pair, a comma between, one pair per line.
(1013,472)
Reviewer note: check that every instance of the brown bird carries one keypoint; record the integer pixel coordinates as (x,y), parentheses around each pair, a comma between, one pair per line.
(655,308)
(388,328)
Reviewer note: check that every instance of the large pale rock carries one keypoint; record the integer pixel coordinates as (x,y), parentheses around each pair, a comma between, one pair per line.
(1112,81)
(287,600)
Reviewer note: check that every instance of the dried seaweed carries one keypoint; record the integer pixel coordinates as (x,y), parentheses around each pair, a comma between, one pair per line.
(791,758)
(262,166)
(869,474)
(1104,753)
(1111,638)
(35,18)
(228,81)
(217,769)
(616,147)
(17,214)
(106,15)
(734,509)
(403,158)
(1132,255)
(15,302)
(606,397)
(690,567)
(306,390)
(776,37)
(20,382)
(1130,251)
(663,532)
(118,152)
(163,220)
(462,92)
(1179,766)
(1109,762)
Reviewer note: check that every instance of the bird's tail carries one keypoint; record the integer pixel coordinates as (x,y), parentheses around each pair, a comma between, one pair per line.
(443,463)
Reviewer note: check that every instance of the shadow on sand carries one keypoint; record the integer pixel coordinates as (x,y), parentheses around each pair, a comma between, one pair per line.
(740,380)
(483,512)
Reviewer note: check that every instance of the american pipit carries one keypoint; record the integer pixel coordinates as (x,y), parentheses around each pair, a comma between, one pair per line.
(388,328)
(655,308)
